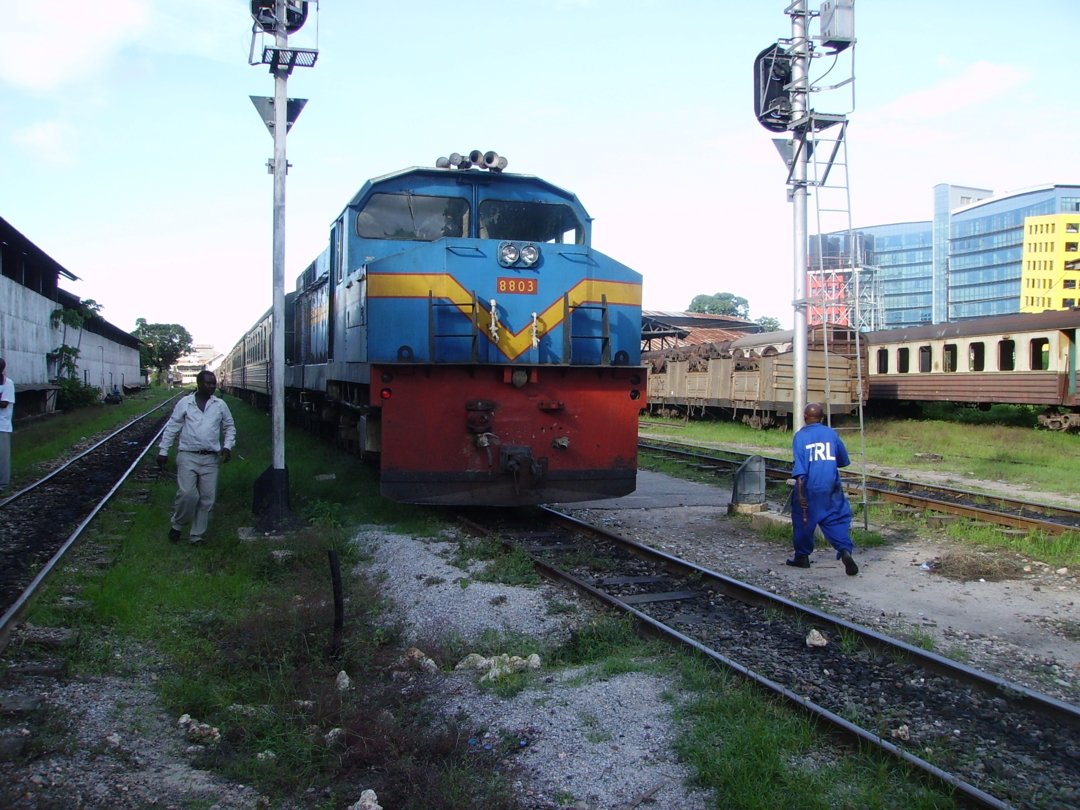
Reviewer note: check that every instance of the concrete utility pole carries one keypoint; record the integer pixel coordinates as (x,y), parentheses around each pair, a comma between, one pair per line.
(800,68)
(277,316)
(271,497)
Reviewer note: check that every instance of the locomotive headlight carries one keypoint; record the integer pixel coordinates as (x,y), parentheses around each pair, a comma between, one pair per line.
(508,254)
(529,255)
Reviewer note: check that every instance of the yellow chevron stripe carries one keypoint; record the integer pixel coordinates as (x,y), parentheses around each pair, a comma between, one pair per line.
(511,344)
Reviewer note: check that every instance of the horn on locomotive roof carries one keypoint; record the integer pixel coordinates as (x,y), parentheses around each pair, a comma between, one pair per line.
(492,161)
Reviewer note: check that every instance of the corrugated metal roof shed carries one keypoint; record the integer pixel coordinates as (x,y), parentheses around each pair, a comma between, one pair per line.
(664,330)
(691,319)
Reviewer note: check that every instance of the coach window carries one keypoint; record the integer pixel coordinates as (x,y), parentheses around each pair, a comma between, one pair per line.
(926,359)
(1006,355)
(1040,354)
(531,221)
(902,360)
(948,357)
(413,217)
(882,361)
(977,357)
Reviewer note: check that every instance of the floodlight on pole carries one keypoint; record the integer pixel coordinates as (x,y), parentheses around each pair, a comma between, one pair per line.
(279,17)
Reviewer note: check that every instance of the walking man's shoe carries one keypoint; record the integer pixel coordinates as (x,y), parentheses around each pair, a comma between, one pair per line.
(196,541)
(800,561)
(849,563)
(174,535)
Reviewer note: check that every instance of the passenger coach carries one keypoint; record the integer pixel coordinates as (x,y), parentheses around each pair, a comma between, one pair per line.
(1021,359)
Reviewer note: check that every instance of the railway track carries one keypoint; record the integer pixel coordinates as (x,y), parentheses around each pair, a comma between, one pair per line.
(40,522)
(1012,513)
(996,743)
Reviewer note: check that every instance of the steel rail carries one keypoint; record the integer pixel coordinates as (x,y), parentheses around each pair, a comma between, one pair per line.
(1022,696)
(744,592)
(813,709)
(86,452)
(19,606)
(975,512)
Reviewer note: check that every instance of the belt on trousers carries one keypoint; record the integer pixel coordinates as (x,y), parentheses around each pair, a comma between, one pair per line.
(203,452)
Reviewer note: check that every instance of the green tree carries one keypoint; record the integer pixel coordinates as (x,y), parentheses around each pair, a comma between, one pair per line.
(75,318)
(768,323)
(721,304)
(162,344)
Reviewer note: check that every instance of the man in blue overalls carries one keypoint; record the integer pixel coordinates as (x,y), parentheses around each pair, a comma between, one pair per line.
(819,499)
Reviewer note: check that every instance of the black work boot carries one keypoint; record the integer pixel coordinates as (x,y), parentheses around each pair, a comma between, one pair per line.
(849,563)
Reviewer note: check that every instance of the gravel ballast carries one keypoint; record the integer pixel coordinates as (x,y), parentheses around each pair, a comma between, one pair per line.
(588,740)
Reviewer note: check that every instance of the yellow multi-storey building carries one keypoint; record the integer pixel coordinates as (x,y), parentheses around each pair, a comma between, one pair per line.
(1050,276)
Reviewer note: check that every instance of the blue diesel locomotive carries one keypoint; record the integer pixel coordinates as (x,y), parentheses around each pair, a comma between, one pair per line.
(460,327)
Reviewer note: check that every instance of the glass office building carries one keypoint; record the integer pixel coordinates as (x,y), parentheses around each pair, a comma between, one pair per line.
(895,262)
(947,199)
(986,249)
(967,262)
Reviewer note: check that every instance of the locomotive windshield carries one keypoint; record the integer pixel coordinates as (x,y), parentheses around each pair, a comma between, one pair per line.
(413,217)
(530,221)
(421,218)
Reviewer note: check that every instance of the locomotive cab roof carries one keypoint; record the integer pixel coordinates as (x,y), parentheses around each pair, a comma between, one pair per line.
(422,180)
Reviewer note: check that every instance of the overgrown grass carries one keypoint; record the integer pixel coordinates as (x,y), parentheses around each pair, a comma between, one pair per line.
(610,642)
(1053,550)
(1035,459)
(756,753)
(1024,416)
(240,635)
(718,431)
(920,638)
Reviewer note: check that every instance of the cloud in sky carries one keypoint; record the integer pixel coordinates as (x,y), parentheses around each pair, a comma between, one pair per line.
(51,142)
(974,85)
(48,45)
(53,44)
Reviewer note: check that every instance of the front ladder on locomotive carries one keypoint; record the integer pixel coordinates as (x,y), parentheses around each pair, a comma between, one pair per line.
(605,329)
(433,335)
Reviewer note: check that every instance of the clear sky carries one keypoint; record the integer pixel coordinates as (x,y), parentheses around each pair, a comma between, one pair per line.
(131,153)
